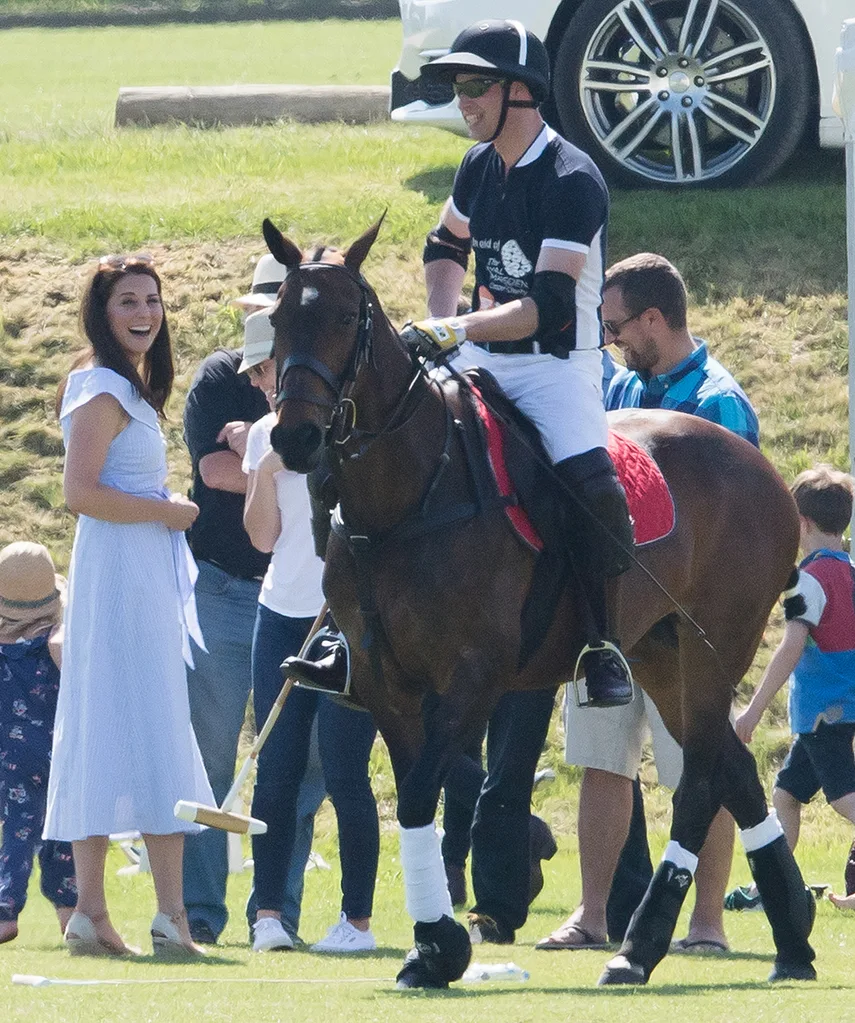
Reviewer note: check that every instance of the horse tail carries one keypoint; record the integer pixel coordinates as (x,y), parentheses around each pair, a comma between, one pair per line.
(793,601)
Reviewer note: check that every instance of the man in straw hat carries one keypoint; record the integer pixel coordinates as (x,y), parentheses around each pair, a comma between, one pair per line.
(221,406)
(31,597)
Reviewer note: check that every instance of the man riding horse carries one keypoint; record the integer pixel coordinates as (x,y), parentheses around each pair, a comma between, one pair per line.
(534,210)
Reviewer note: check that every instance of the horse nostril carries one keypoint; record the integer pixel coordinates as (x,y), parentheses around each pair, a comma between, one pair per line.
(299,447)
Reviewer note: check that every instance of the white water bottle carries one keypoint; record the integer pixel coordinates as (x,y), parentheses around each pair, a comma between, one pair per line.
(480,972)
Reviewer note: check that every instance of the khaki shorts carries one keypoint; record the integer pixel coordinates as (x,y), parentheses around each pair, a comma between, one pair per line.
(612,738)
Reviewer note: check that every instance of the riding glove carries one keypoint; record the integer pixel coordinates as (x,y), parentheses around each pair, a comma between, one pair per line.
(433,337)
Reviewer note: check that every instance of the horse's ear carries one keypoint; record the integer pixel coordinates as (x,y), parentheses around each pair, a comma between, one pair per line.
(282,249)
(355,255)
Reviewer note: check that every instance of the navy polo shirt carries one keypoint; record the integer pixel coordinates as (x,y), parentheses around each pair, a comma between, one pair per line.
(553,197)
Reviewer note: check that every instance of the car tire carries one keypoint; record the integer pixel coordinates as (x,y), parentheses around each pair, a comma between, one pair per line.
(652,101)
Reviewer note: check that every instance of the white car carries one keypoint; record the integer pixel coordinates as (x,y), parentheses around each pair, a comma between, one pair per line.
(666,92)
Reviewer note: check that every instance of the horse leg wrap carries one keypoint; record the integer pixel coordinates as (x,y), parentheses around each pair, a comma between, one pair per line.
(441,955)
(789,904)
(651,928)
(425,884)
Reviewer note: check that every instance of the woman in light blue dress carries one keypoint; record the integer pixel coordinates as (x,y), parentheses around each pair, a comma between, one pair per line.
(124,750)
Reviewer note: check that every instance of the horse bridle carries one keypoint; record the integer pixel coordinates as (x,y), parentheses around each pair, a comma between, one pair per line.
(362,349)
(342,426)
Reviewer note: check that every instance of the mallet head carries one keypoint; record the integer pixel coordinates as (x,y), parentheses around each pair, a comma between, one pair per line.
(213,817)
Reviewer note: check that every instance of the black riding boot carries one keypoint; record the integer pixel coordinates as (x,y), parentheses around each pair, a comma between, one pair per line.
(601,544)
(328,674)
(325,666)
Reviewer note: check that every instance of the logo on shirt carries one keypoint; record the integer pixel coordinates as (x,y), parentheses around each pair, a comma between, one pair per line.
(514,260)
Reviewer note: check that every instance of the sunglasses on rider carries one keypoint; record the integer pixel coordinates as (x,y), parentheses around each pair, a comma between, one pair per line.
(475,88)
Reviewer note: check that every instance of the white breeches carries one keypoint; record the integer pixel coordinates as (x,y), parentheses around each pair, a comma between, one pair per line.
(562,397)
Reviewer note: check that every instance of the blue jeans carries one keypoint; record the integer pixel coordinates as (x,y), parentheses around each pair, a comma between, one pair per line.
(345,739)
(500,830)
(309,798)
(219,687)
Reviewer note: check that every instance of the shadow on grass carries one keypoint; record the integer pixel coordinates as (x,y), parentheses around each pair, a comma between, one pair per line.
(435,185)
(383,952)
(211,959)
(618,991)
(765,957)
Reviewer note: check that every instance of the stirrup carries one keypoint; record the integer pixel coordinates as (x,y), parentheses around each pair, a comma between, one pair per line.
(315,652)
(604,644)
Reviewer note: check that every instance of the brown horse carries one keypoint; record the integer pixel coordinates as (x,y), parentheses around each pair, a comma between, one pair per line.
(428,588)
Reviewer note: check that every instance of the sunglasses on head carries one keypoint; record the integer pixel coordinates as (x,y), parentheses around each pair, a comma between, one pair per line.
(474,88)
(123,261)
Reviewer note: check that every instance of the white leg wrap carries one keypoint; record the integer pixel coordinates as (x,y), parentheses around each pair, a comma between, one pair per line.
(761,834)
(680,857)
(425,885)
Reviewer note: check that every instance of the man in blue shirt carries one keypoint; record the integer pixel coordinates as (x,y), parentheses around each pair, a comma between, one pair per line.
(644,316)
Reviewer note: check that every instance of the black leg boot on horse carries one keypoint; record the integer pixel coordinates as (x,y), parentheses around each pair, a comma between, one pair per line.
(789,906)
(601,546)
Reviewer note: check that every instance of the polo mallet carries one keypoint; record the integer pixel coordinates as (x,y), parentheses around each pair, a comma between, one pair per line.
(224,817)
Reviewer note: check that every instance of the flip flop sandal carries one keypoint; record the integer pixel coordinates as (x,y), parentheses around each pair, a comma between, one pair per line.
(703,946)
(563,940)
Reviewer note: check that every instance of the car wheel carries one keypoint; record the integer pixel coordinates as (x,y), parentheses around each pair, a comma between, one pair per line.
(685,92)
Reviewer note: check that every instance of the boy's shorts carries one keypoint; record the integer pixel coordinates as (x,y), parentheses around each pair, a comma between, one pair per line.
(823,759)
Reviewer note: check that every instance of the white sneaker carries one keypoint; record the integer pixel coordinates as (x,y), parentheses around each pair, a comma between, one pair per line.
(269,934)
(344,937)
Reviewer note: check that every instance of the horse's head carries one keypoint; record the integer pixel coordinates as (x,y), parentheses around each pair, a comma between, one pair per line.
(323,327)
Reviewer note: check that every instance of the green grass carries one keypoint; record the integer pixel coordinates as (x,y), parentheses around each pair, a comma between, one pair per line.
(67,80)
(303,986)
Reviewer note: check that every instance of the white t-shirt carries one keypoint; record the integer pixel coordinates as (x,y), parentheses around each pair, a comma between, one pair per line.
(292,585)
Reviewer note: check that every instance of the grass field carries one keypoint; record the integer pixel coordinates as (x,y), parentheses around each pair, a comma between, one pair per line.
(766,269)
(312,988)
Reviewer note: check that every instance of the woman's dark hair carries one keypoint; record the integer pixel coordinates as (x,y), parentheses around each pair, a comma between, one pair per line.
(154,382)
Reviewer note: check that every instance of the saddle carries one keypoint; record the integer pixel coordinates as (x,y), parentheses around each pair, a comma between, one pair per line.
(537,506)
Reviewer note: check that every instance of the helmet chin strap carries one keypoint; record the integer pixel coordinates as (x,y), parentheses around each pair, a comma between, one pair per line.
(507,102)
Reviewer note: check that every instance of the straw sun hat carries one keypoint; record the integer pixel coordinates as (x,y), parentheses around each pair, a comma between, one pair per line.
(31,592)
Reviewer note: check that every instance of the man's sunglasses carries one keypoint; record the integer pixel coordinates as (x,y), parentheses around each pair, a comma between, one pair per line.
(614,327)
(475,88)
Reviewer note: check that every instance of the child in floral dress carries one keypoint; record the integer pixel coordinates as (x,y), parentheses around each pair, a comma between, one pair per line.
(30,650)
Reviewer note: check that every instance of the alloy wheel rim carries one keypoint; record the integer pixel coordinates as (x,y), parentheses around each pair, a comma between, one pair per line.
(675,91)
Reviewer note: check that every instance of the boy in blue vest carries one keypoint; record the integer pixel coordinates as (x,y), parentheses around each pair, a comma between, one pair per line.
(818,651)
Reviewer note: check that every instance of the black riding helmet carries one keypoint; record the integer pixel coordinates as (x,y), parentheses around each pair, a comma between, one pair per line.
(503,49)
